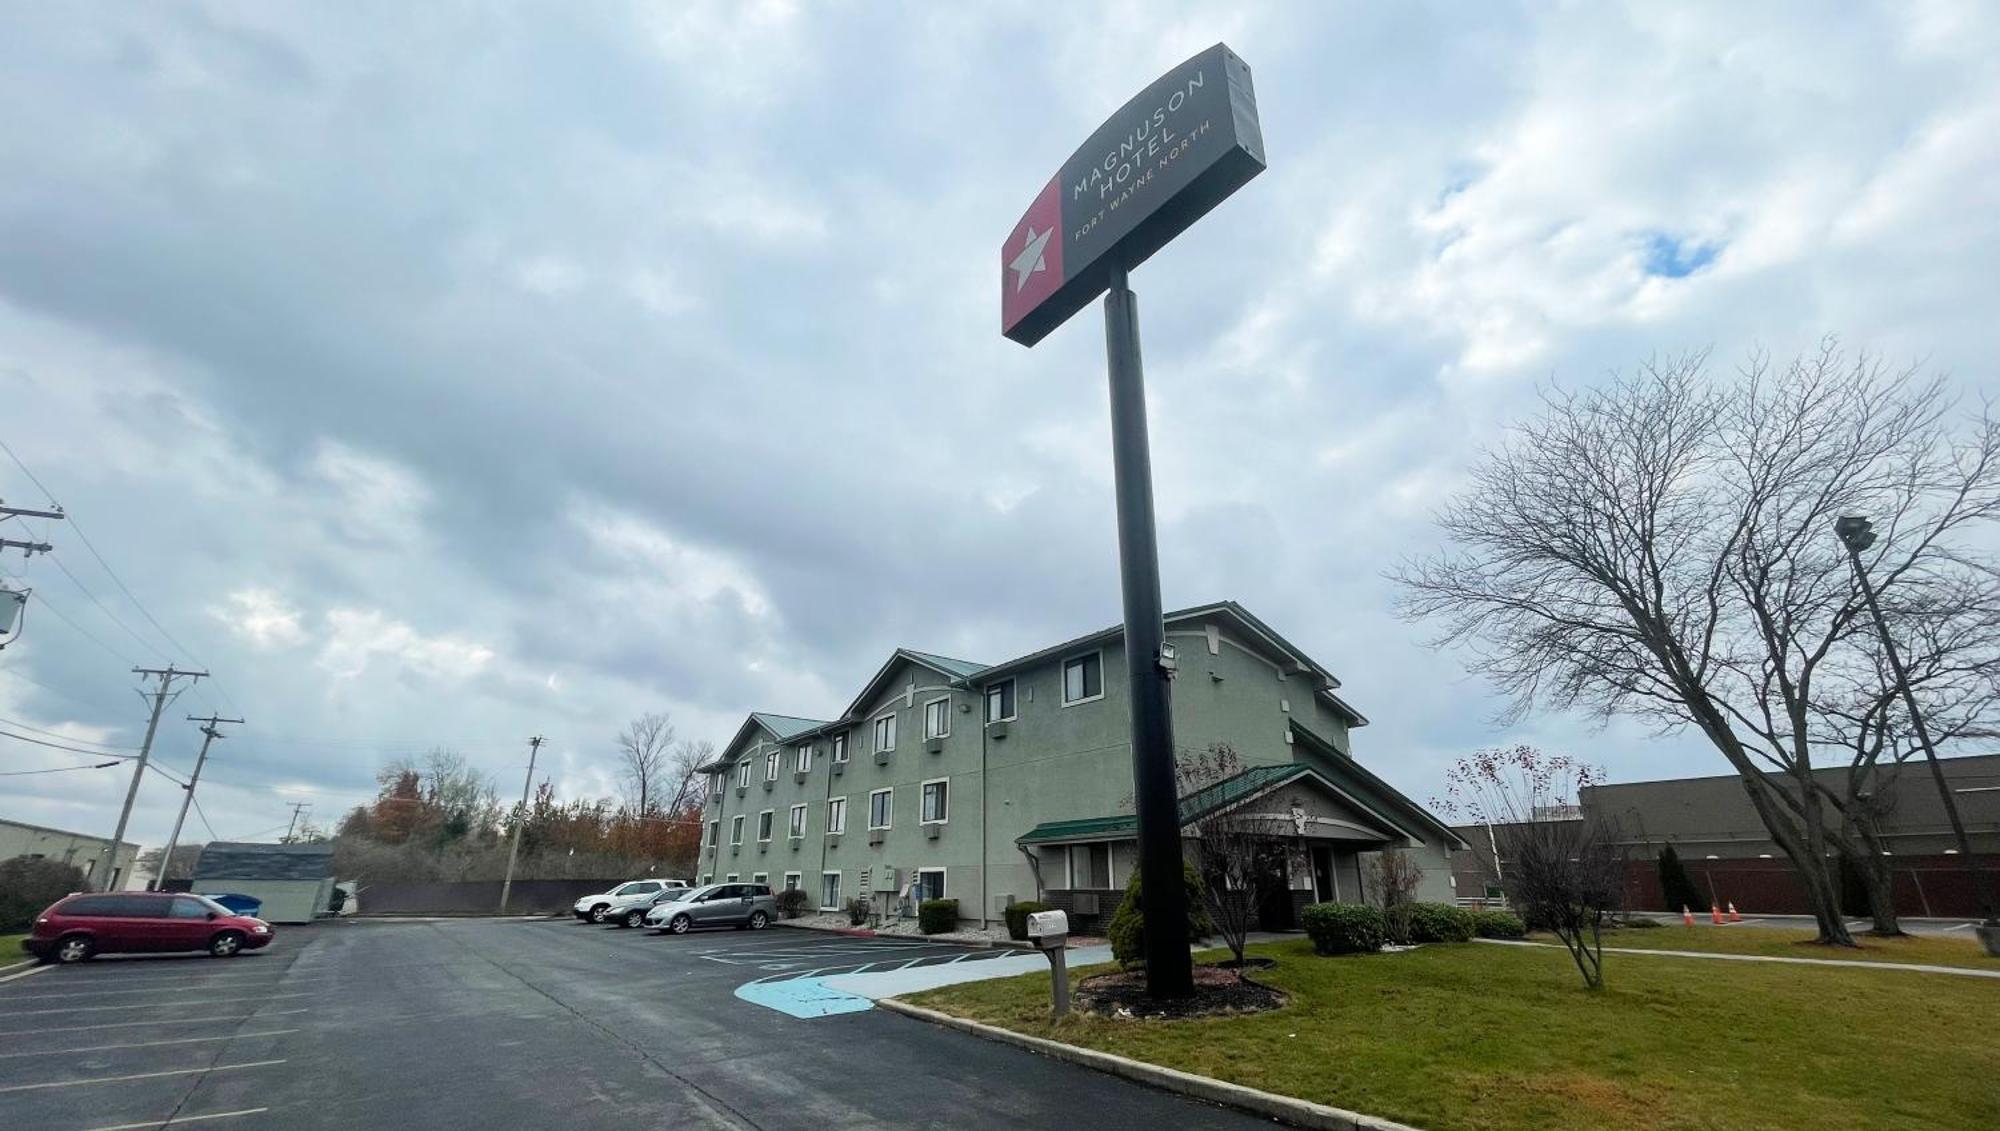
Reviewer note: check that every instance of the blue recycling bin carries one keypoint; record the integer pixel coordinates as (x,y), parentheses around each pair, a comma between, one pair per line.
(237,904)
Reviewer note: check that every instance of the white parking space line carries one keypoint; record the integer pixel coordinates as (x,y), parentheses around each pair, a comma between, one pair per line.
(28,973)
(186,989)
(180,1119)
(147,1044)
(154,1005)
(39,1030)
(136,1076)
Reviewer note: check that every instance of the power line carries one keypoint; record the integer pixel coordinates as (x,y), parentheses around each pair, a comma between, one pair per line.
(59,746)
(108,614)
(53,690)
(59,734)
(57,770)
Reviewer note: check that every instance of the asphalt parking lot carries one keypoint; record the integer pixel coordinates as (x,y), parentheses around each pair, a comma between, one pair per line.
(520,1023)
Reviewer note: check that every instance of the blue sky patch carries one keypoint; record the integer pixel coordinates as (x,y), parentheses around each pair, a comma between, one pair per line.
(1675,258)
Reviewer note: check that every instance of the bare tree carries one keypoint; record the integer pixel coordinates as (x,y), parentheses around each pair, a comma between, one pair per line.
(1392,880)
(643,749)
(683,775)
(1232,846)
(1563,874)
(181,867)
(1663,547)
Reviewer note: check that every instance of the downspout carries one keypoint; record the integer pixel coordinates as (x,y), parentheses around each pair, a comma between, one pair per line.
(1035,866)
(985,865)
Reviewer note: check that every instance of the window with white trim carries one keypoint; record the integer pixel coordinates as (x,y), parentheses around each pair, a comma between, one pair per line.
(836,815)
(764,825)
(707,878)
(885,733)
(736,829)
(732,877)
(881,806)
(929,885)
(714,833)
(937,718)
(1000,702)
(839,744)
(1083,678)
(715,783)
(771,766)
(743,772)
(759,878)
(798,827)
(829,891)
(802,759)
(794,881)
(936,807)
(1090,866)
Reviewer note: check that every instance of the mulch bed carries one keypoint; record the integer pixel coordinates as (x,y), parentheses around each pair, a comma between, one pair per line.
(1217,992)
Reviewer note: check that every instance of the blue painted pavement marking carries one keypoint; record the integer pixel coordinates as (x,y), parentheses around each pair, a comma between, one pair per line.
(802,997)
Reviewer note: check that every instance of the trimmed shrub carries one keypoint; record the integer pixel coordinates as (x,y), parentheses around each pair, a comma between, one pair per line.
(1344,928)
(937,916)
(1640,923)
(1498,925)
(1128,923)
(792,903)
(1439,922)
(857,911)
(1017,918)
(28,885)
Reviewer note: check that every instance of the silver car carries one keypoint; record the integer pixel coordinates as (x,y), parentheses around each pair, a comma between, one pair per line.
(741,906)
(602,906)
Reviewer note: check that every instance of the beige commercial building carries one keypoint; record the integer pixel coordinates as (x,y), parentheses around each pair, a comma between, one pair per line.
(86,852)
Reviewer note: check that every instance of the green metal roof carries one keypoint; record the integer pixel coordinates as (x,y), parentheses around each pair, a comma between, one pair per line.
(787,726)
(1194,806)
(962,668)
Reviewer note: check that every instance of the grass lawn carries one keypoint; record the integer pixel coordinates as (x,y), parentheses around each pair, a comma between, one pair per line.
(1473,1036)
(1791,943)
(10,949)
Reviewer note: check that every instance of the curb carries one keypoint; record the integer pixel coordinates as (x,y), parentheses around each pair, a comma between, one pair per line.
(1284,1109)
(869,933)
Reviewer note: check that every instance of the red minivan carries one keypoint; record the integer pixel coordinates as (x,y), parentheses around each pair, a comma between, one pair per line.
(139,922)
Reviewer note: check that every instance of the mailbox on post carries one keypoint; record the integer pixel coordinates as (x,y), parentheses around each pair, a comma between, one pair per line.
(1049,932)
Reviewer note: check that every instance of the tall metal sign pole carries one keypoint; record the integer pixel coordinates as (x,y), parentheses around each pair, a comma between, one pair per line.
(1171,154)
(514,850)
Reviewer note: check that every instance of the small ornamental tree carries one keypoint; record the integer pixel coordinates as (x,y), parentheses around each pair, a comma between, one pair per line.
(1563,871)
(1676,886)
(1231,847)
(1392,882)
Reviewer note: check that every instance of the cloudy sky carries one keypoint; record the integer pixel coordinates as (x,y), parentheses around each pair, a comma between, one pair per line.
(444,374)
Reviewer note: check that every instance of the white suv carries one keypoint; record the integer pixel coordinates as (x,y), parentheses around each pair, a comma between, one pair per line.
(627,901)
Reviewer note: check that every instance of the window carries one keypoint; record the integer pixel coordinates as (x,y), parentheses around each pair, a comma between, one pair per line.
(798,821)
(929,885)
(1090,866)
(937,718)
(771,766)
(794,881)
(1000,702)
(637,887)
(880,804)
(802,759)
(188,909)
(743,773)
(1083,679)
(715,783)
(714,833)
(839,747)
(829,891)
(731,877)
(885,733)
(736,829)
(937,802)
(764,825)
(707,879)
(836,815)
(758,877)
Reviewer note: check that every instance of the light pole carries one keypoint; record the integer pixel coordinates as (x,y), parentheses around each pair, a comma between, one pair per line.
(1857,534)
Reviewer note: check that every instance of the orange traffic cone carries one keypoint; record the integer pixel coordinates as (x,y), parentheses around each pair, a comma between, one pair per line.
(1715,914)
(1734,917)
(1687,917)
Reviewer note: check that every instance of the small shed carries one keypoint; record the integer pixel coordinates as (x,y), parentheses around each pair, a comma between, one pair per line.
(295,881)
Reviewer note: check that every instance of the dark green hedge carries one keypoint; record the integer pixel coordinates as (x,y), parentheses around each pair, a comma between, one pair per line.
(936,916)
(1344,928)
(1017,918)
(1439,922)
(1498,925)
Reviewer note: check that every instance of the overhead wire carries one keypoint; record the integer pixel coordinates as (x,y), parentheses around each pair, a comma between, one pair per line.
(59,746)
(19,725)
(56,770)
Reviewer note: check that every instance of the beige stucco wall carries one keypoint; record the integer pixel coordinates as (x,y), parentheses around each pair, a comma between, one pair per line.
(86,852)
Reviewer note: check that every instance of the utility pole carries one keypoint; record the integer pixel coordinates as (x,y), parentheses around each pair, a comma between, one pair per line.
(294,823)
(209,734)
(513,851)
(162,695)
(28,549)
(1857,534)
